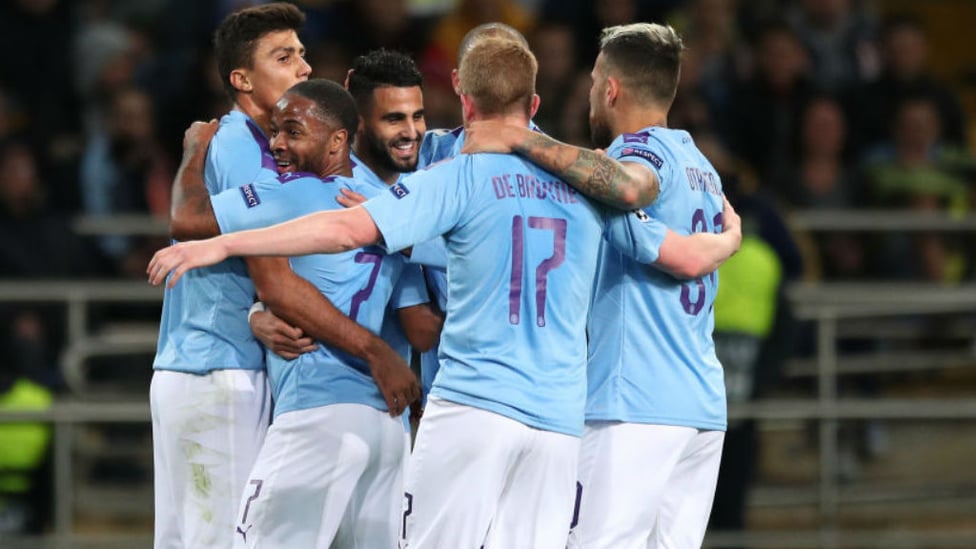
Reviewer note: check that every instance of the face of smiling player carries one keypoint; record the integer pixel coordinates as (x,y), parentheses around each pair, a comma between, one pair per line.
(392,129)
(303,140)
(278,63)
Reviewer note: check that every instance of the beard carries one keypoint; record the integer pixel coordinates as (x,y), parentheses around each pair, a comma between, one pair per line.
(379,151)
(600,136)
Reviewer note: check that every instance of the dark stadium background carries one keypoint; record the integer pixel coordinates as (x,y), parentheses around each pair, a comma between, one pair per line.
(845,134)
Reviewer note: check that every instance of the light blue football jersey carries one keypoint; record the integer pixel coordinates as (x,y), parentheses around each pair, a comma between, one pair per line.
(358,282)
(522,250)
(436,146)
(410,289)
(440,145)
(651,358)
(204,320)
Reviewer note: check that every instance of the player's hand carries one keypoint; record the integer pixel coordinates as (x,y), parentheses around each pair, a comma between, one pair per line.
(283,339)
(181,257)
(395,379)
(350,198)
(487,136)
(198,136)
(731,222)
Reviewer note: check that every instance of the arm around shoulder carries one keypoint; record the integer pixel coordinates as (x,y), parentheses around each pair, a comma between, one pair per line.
(698,254)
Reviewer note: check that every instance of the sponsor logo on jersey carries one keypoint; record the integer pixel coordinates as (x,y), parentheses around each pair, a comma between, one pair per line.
(646,155)
(250,195)
(641,215)
(399,190)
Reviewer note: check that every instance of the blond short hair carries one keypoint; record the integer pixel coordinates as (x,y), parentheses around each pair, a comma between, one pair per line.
(499,76)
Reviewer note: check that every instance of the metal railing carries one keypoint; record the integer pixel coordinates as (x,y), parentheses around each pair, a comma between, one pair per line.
(827,305)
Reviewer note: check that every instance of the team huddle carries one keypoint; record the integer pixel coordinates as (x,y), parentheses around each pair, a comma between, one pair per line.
(560,297)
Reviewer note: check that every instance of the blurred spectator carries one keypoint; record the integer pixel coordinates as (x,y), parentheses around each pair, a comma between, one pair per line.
(840,39)
(822,176)
(7,116)
(440,54)
(754,330)
(34,35)
(329,60)
(589,17)
(916,170)
(34,241)
(124,171)
(451,28)
(768,106)
(23,454)
(105,63)
(553,46)
(34,67)
(364,25)
(715,57)
(904,50)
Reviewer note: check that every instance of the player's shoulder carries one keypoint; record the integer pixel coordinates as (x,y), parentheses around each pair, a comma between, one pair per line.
(656,145)
(236,124)
(443,134)
(236,134)
(439,144)
(291,178)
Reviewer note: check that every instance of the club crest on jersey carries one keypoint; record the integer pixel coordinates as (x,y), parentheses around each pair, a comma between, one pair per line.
(641,215)
(646,155)
(399,190)
(250,195)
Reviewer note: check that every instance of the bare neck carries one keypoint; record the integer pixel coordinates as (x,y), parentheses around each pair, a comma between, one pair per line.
(510,118)
(386,175)
(339,166)
(259,115)
(633,119)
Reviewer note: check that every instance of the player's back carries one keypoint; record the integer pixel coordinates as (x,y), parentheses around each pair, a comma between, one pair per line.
(652,359)
(204,320)
(521,250)
(358,282)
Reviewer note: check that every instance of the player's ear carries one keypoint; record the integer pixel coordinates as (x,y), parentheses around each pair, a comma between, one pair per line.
(534,107)
(338,139)
(346,83)
(240,81)
(467,107)
(456,82)
(613,90)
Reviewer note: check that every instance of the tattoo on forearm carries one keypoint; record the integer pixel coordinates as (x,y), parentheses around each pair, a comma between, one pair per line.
(590,172)
(598,176)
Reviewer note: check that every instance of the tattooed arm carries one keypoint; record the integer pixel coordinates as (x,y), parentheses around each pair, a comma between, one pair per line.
(623,185)
(191,215)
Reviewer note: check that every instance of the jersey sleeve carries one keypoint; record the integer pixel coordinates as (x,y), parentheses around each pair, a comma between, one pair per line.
(256,205)
(644,149)
(411,289)
(636,235)
(420,207)
(235,158)
(432,253)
